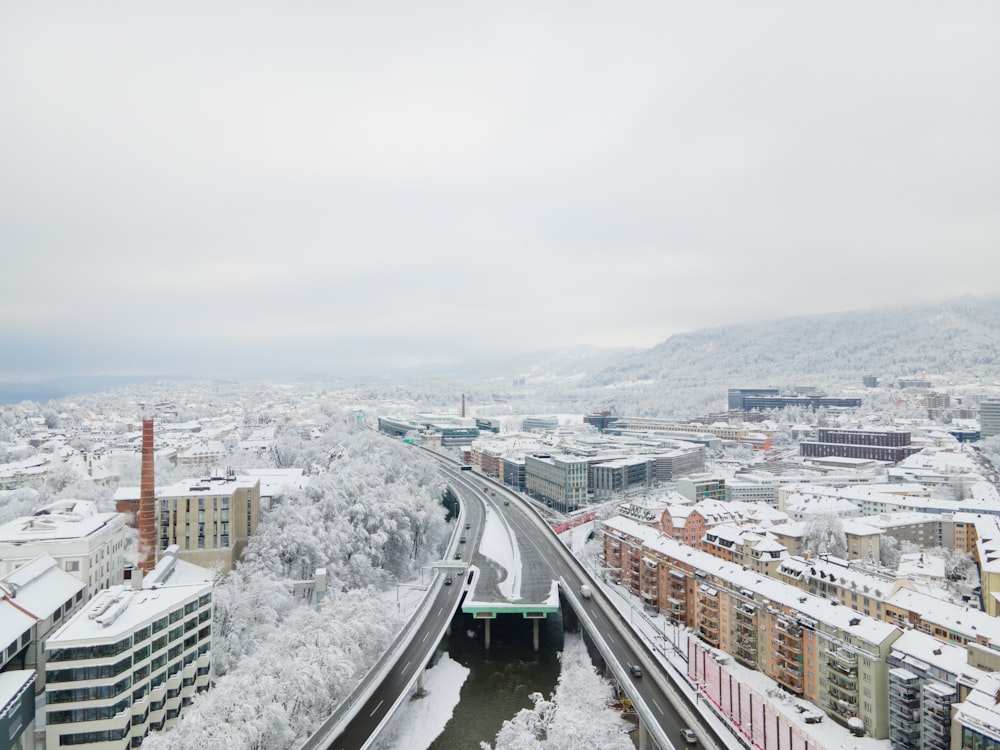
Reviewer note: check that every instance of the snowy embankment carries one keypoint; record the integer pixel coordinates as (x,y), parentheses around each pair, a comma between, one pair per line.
(499,544)
(418,722)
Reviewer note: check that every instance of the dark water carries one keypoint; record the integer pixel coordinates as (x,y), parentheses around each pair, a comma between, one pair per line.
(501,679)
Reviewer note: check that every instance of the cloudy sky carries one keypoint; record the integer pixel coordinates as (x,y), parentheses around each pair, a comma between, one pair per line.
(204,187)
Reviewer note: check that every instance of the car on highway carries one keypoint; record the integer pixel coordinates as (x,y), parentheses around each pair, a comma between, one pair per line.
(458,555)
(468,526)
(688,736)
(447,581)
(506,502)
(462,540)
(636,670)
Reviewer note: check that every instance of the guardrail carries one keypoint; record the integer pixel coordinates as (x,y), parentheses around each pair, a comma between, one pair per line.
(334,724)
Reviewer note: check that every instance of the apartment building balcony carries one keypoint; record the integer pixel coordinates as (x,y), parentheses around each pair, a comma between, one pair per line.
(905,735)
(937,737)
(842,695)
(791,679)
(847,658)
(937,713)
(843,683)
(842,669)
(789,629)
(791,645)
(709,632)
(909,699)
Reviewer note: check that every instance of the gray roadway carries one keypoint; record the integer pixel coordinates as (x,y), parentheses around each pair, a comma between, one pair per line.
(542,563)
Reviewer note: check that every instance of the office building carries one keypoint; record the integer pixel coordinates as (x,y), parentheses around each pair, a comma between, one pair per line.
(132,660)
(989,418)
(559,480)
(876,445)
(539,424)
(697,487)
(736,396)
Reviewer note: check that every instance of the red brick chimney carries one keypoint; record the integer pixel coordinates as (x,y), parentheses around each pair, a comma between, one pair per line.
(147,501)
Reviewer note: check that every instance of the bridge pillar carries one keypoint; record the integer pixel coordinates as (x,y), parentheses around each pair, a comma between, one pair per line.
(420,684)
(487,635)
(643,735)
(534,636)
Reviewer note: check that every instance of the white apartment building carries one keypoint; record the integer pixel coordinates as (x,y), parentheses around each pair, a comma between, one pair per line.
(83,541)
(132,660)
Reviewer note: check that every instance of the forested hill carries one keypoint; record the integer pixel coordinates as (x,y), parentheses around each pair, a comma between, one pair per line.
(961,337)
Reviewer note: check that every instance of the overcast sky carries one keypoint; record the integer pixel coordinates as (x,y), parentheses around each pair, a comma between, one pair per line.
(192,185)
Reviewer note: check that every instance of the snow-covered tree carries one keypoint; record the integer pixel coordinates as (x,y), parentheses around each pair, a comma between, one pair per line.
(888,551)
(824,533)
(577,716)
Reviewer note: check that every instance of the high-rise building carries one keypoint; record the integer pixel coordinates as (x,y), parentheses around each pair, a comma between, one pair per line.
(989,417)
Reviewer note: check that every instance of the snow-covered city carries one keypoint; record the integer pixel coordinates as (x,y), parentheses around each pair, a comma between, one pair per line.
(499,376)
(809,570)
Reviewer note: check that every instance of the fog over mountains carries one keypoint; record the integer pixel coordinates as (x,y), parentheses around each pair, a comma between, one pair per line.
(961,337)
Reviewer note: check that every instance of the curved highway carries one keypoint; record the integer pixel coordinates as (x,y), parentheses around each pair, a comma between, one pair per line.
(379,705)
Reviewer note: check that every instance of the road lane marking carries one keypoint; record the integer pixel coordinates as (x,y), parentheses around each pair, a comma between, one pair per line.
(408,664)
(377,707)
(610,637)
(424,638)
(440,609)
(658,707)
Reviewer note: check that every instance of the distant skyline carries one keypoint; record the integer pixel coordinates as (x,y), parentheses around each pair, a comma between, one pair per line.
(251,189)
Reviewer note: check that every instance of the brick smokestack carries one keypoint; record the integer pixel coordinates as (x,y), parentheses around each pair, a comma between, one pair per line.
(147,501)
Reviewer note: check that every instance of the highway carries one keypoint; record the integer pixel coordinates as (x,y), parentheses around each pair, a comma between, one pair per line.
(651,687)
(414,657)
(548,558)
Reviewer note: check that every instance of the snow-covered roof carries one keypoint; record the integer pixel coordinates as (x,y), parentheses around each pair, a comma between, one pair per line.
(64,520)
(921,650)
(967,622)
(170,583)
(843,618)
(13,623)
(40,586)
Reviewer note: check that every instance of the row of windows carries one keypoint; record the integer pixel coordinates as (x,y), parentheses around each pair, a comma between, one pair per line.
(76,674)
(86,738)
(88,693)
(100,651)
(96,713)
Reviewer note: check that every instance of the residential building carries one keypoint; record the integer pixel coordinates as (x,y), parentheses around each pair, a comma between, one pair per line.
(209,520)
(83,541)
(833,656)
(976,723)
(132,660)
(926,677)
